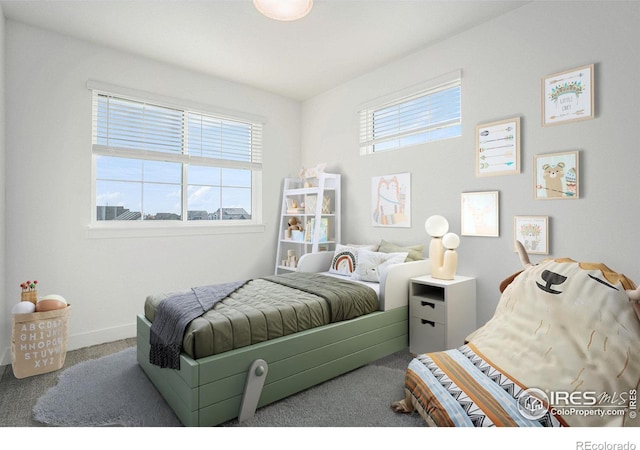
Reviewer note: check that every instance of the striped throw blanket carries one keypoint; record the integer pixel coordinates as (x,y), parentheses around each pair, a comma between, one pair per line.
(460,388)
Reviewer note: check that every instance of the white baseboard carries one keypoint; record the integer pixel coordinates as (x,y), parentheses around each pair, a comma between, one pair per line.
(88,339)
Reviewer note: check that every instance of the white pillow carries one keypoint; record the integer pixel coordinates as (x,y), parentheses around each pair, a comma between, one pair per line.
(345,258)
(372,266)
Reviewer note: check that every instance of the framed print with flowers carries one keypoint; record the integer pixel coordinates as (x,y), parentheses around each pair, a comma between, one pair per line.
(533,233)
(568,96)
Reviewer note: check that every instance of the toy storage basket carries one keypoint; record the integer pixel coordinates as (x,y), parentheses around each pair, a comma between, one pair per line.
(39,342)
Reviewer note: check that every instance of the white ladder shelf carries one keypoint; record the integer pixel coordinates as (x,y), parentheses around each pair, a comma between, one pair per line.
(316,204)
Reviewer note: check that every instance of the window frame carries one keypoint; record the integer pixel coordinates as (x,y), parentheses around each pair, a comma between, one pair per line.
(368,111)
(146,228)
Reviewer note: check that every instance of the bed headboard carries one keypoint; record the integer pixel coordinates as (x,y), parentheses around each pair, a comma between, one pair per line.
(315,262)
(394,288)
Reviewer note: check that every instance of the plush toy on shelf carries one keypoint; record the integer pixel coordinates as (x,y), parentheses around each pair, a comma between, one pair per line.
(294,224)
(295,229)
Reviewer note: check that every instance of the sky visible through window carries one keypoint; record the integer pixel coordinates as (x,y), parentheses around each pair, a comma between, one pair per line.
(152,187)
(143,184)
(426,118)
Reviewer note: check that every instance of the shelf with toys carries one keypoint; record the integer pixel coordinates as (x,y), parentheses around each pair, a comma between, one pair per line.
(310,218)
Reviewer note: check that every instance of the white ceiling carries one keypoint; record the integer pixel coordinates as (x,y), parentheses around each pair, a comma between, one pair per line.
(338,41)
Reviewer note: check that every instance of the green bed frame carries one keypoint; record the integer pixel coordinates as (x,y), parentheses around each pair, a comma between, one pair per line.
(209,391)
(213,390)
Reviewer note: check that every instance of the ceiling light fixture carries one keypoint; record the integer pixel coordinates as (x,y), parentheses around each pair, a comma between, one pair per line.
(285,10)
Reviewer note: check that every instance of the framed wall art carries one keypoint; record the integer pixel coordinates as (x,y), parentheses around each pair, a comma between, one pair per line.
(533,233)
(479,214)
(498,148)
(568,96)
(391,200)
(556,176)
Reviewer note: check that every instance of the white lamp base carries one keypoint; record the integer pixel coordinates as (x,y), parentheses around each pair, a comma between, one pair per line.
(444,262)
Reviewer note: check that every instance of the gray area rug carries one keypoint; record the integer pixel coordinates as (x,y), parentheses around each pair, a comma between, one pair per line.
(108,391)
(114,391)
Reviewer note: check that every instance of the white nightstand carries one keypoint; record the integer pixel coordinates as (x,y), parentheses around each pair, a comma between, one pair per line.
(442,313)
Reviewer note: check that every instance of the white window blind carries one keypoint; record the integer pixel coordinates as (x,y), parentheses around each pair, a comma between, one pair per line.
(157,161)
(132,127)
(423,114)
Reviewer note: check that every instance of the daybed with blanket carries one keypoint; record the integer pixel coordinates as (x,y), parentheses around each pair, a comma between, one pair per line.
(561,350)
(240,355)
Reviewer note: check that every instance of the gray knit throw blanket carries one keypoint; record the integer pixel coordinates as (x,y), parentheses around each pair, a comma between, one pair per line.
(174,314)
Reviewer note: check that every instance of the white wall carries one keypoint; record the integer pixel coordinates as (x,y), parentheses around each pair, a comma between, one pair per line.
(503,62)
(3,323)
(48,160)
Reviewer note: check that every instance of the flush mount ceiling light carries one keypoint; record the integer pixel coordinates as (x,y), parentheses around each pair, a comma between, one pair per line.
(285,10)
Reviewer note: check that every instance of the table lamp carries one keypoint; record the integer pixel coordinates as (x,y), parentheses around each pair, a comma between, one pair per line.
(443,257)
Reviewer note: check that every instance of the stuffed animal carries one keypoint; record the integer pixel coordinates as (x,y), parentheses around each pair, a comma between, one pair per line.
(294,224)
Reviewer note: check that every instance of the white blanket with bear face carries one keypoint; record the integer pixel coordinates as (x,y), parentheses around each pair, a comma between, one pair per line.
(569,329)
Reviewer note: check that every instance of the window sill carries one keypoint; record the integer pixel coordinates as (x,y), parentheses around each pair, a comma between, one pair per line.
(145,230)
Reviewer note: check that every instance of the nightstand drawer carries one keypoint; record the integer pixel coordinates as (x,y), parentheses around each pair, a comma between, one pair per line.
(426,336)
(442,313)
(427,308)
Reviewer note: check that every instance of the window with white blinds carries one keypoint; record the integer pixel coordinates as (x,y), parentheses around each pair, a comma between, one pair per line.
(428,113)
(155,162)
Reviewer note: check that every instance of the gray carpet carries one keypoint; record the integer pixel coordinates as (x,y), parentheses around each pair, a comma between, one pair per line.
(114,391)
(108,391)
(358,399)
(18,396)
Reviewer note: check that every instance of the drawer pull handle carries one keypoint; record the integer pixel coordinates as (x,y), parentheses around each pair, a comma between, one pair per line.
(429,304)
(424,322)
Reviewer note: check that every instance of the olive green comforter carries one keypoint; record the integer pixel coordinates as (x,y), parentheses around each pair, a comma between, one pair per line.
(271,307)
